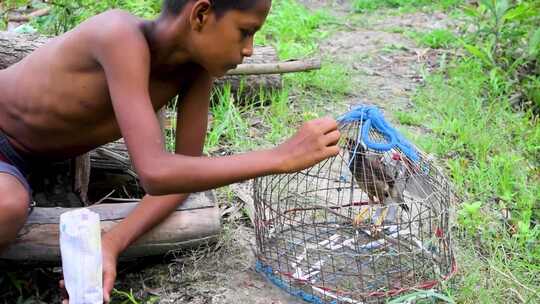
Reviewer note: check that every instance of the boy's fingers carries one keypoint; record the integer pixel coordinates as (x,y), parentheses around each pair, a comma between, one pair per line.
(332,151)
(63,292)
(108,283)
(332,138)
(328,124)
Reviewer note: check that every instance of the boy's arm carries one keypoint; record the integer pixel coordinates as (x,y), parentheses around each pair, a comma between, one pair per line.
(127,71)
(190,136)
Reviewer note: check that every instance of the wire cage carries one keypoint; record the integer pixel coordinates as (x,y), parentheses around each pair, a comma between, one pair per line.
(366,225)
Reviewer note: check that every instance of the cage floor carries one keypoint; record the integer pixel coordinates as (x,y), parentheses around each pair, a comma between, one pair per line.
(343,263)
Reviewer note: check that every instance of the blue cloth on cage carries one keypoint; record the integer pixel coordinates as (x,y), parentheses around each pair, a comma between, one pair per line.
(371,117)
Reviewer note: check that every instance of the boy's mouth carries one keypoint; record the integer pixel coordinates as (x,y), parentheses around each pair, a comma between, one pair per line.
(232,66)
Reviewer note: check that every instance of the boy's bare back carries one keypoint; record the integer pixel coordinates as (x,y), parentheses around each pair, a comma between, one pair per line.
(56,102)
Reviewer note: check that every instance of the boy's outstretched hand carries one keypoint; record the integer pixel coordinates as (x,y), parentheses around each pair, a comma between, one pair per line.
(315,141)
(110,257)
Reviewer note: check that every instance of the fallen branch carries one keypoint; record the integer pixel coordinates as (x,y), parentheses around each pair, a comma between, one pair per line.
(26,18)
(276,68)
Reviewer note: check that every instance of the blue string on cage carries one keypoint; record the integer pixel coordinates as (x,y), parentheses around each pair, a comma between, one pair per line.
(269,273)
(372,118)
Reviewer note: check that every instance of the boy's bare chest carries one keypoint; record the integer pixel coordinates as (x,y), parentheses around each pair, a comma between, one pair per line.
(161,92)
(91,92)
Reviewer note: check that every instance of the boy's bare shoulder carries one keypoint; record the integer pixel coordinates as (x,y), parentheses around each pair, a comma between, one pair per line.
(109,38)
(113,24)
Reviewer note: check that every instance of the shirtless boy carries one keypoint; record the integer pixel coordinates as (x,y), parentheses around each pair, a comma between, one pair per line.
(107,78)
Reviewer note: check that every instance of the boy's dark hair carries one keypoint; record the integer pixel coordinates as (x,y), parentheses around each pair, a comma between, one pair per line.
(174,7)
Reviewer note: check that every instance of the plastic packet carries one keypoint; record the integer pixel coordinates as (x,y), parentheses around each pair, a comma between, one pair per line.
(80,246)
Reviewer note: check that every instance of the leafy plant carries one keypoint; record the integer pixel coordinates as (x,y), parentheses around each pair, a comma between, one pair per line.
(418,295)
(507,42)
(66,14)
(128,297)
(470,216)
(436,39)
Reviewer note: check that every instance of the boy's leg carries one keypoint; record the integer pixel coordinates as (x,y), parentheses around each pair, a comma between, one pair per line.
(14,203)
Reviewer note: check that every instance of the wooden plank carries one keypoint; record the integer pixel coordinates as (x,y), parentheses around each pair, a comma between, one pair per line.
(187,228)
(118,211)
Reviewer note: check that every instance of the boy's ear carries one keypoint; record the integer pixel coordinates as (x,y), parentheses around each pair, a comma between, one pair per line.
(200,13)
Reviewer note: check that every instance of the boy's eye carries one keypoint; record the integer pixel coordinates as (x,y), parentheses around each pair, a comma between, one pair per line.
(246,33)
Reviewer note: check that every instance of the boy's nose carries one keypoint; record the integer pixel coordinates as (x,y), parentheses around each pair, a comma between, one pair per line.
(247,51)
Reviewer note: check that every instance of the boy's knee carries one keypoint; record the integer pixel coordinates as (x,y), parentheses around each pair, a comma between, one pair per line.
(13,214)
(14,205)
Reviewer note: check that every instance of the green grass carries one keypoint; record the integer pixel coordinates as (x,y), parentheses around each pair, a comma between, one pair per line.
(229,128)
(331,81)
(293,29)
(490,152)
(295,32)
(435,39)
(408,118)
(371,5)
(491,148)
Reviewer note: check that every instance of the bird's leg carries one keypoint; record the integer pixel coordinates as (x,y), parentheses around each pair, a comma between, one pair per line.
(360,217)
(377,221)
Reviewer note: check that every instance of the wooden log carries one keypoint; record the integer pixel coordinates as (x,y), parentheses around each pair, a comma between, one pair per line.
(14,47)
(27,17)
(195,222)
(276,68)
(249,85)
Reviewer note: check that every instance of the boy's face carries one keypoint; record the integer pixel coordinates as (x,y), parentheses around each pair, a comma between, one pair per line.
(222,43)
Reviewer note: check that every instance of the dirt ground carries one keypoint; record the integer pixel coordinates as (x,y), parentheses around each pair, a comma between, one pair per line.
(385,69)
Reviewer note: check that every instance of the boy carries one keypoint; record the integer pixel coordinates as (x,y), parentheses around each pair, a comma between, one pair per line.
(106,79)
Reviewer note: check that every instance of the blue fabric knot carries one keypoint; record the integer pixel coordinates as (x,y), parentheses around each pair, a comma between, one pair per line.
(371,117)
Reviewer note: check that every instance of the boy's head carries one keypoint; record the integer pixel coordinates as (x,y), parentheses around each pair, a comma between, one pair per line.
(220,6)
(220,31)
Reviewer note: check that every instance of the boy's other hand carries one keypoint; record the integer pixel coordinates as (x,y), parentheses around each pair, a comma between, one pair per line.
(315,141)
(110,256)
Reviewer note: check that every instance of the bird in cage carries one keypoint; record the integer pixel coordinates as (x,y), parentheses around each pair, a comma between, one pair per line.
(377,178)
